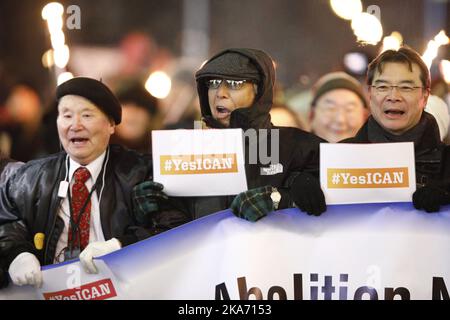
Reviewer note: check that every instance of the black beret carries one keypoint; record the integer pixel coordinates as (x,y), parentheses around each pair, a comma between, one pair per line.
(96,92)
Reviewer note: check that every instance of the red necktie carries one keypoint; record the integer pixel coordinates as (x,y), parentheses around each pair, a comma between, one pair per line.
(80,194)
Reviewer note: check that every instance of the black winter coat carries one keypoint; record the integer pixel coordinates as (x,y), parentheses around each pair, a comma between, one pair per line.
(29,203)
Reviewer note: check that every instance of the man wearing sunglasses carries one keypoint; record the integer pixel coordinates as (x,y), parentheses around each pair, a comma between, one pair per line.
(235,88)
(399,87)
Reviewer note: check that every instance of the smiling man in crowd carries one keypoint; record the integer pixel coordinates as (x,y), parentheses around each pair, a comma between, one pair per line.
(399,87)
(339,107)
(78,200)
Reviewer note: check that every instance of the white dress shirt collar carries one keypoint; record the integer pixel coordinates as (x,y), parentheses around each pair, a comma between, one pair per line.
(94,167)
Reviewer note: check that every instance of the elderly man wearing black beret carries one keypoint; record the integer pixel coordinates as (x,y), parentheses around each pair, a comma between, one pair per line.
(76,203)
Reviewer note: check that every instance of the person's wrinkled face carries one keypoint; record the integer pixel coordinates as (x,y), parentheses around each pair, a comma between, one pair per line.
(135,122)
(337,115)
(397,97)
(83,129)
(225,96)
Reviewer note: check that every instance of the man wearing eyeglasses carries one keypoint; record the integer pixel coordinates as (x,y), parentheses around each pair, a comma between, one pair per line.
(399,87)
(235,88)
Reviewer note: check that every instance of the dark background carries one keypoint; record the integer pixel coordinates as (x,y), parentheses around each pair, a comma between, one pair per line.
(305,37)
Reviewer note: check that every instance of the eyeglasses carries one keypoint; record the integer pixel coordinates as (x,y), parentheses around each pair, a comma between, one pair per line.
(404,88)
(230,84)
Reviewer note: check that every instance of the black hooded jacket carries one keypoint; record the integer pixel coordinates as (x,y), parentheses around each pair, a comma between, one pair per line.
(298,150)
(240,64)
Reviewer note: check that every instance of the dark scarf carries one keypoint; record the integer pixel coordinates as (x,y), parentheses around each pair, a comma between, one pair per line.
(425,134)
(241,118)
(427,146)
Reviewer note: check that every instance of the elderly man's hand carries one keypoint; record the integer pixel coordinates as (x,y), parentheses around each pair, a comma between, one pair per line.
(253,204)
(96,249)
(26,270)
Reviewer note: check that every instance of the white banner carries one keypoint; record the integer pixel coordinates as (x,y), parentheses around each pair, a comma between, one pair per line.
(69,282)
(363,173)
(373,251)
(199,162)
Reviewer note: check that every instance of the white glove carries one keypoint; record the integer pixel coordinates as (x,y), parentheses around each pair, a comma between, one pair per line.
(26,270)
(96,249)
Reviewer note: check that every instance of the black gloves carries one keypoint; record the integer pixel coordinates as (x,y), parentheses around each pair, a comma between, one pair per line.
(147,199)
(304,192)
(430,198)
(253,204)
(307,195)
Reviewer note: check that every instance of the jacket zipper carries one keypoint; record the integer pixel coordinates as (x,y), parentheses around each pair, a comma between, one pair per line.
(50,234)
(53,208)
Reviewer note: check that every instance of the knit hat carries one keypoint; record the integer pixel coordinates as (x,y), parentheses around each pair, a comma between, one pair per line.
(96,92)
(337,80)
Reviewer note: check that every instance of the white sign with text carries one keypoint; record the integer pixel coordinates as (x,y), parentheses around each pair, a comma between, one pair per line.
(367,173)
(68,281)
(199,162)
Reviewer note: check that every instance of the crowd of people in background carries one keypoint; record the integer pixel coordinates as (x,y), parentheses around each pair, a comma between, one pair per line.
(337,104)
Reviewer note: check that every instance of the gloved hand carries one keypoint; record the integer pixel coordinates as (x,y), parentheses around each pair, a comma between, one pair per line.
(307,195)
(26,270)
(430,198)
(96,249)
(253,204)
(147,198)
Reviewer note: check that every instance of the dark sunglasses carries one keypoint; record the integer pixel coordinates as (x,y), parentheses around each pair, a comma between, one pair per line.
(230,84)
